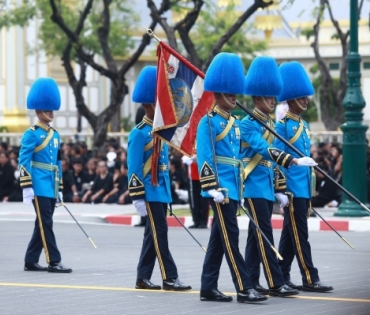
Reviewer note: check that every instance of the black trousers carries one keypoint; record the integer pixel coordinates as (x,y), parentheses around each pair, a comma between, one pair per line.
(294,242)
(43,235)
(257,249)
(198,204)
(155,244)
(224,239)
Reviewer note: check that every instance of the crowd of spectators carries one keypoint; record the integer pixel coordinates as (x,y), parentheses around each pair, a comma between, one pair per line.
(89,179)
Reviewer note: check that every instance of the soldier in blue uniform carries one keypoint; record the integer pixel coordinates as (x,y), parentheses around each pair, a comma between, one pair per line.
(41,175)
(294,237)
(263,83)
(151,200)
(218,145)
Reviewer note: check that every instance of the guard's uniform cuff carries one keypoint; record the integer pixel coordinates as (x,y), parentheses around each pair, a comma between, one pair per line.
(279,181)
(280,157)
(136,188)
(25,178)
(61,185)
(207,177)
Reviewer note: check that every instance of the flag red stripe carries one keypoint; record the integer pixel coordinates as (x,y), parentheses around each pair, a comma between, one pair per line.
(204,104)
(163,89)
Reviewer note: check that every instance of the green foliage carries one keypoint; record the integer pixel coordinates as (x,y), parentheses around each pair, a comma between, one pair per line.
(122,23)
(19,15)
(215,21)
(308,32)
(3,129)
(311,113)
(127,123)
(317,86)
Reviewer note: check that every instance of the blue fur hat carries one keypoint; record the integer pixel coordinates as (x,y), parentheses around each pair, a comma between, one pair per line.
(225,74)
(263,78)
(144,91)
(44,95)
(296,82)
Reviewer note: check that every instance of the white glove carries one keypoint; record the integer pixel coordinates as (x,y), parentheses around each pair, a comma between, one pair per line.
(218,196)
(282,198)
(306,161)
(140,206)
(242,202)
(28,196)
(60,196)
(188,160)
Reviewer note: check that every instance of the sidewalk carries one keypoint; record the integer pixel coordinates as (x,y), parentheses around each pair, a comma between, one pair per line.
(124,214)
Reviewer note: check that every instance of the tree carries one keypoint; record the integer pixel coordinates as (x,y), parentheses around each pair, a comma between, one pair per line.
(331,91)
(194,17)
(80,32)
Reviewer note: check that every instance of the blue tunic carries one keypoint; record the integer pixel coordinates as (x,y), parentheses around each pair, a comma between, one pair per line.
(260,181)
(298,179)
(222,175)
(39,161)
(140,148)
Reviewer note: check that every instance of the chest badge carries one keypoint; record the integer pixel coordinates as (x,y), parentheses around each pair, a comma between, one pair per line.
(42,136)
(55,143)
(295,128)
(222,125)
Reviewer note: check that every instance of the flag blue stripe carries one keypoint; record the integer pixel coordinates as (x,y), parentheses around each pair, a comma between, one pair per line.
(186,74)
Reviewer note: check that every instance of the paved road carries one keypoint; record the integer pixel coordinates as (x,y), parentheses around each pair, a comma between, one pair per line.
(103,279)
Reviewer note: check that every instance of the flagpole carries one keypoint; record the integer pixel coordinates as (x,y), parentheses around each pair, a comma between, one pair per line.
(176,54)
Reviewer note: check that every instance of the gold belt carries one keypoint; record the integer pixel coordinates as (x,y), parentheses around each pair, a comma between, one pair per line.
(262,162)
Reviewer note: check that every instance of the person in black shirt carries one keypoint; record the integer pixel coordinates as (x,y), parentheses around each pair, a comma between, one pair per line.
(103,183)
(7,180)
(120,188)
(91,170)
(69,186)
(326,190)
(79,176)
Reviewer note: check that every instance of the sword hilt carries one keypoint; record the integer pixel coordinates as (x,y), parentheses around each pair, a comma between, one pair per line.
(226,193)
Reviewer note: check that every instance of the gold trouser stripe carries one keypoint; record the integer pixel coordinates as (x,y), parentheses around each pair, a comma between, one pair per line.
(228,247)
(155,239)
(262,247)
(42,230)
(296,238)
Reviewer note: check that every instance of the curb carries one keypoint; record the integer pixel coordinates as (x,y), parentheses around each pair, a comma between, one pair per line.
(314,224)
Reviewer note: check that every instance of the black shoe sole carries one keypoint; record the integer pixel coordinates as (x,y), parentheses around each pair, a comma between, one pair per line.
(252,301)
(282,295)
(26,269)
(176,289)
(59,271)
(142,287)
(205,299)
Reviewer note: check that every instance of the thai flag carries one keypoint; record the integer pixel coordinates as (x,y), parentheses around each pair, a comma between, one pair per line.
(180,100)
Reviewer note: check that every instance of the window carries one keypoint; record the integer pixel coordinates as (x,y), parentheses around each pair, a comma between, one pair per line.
(366,65)
(334,66)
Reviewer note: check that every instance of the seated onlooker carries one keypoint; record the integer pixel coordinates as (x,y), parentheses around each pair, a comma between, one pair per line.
(7,179)
(327,191)
(119,194)
(69,187)
(103,183)
(90,173)
(79,176)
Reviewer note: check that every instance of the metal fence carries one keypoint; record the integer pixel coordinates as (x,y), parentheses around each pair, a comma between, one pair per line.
(15,138)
